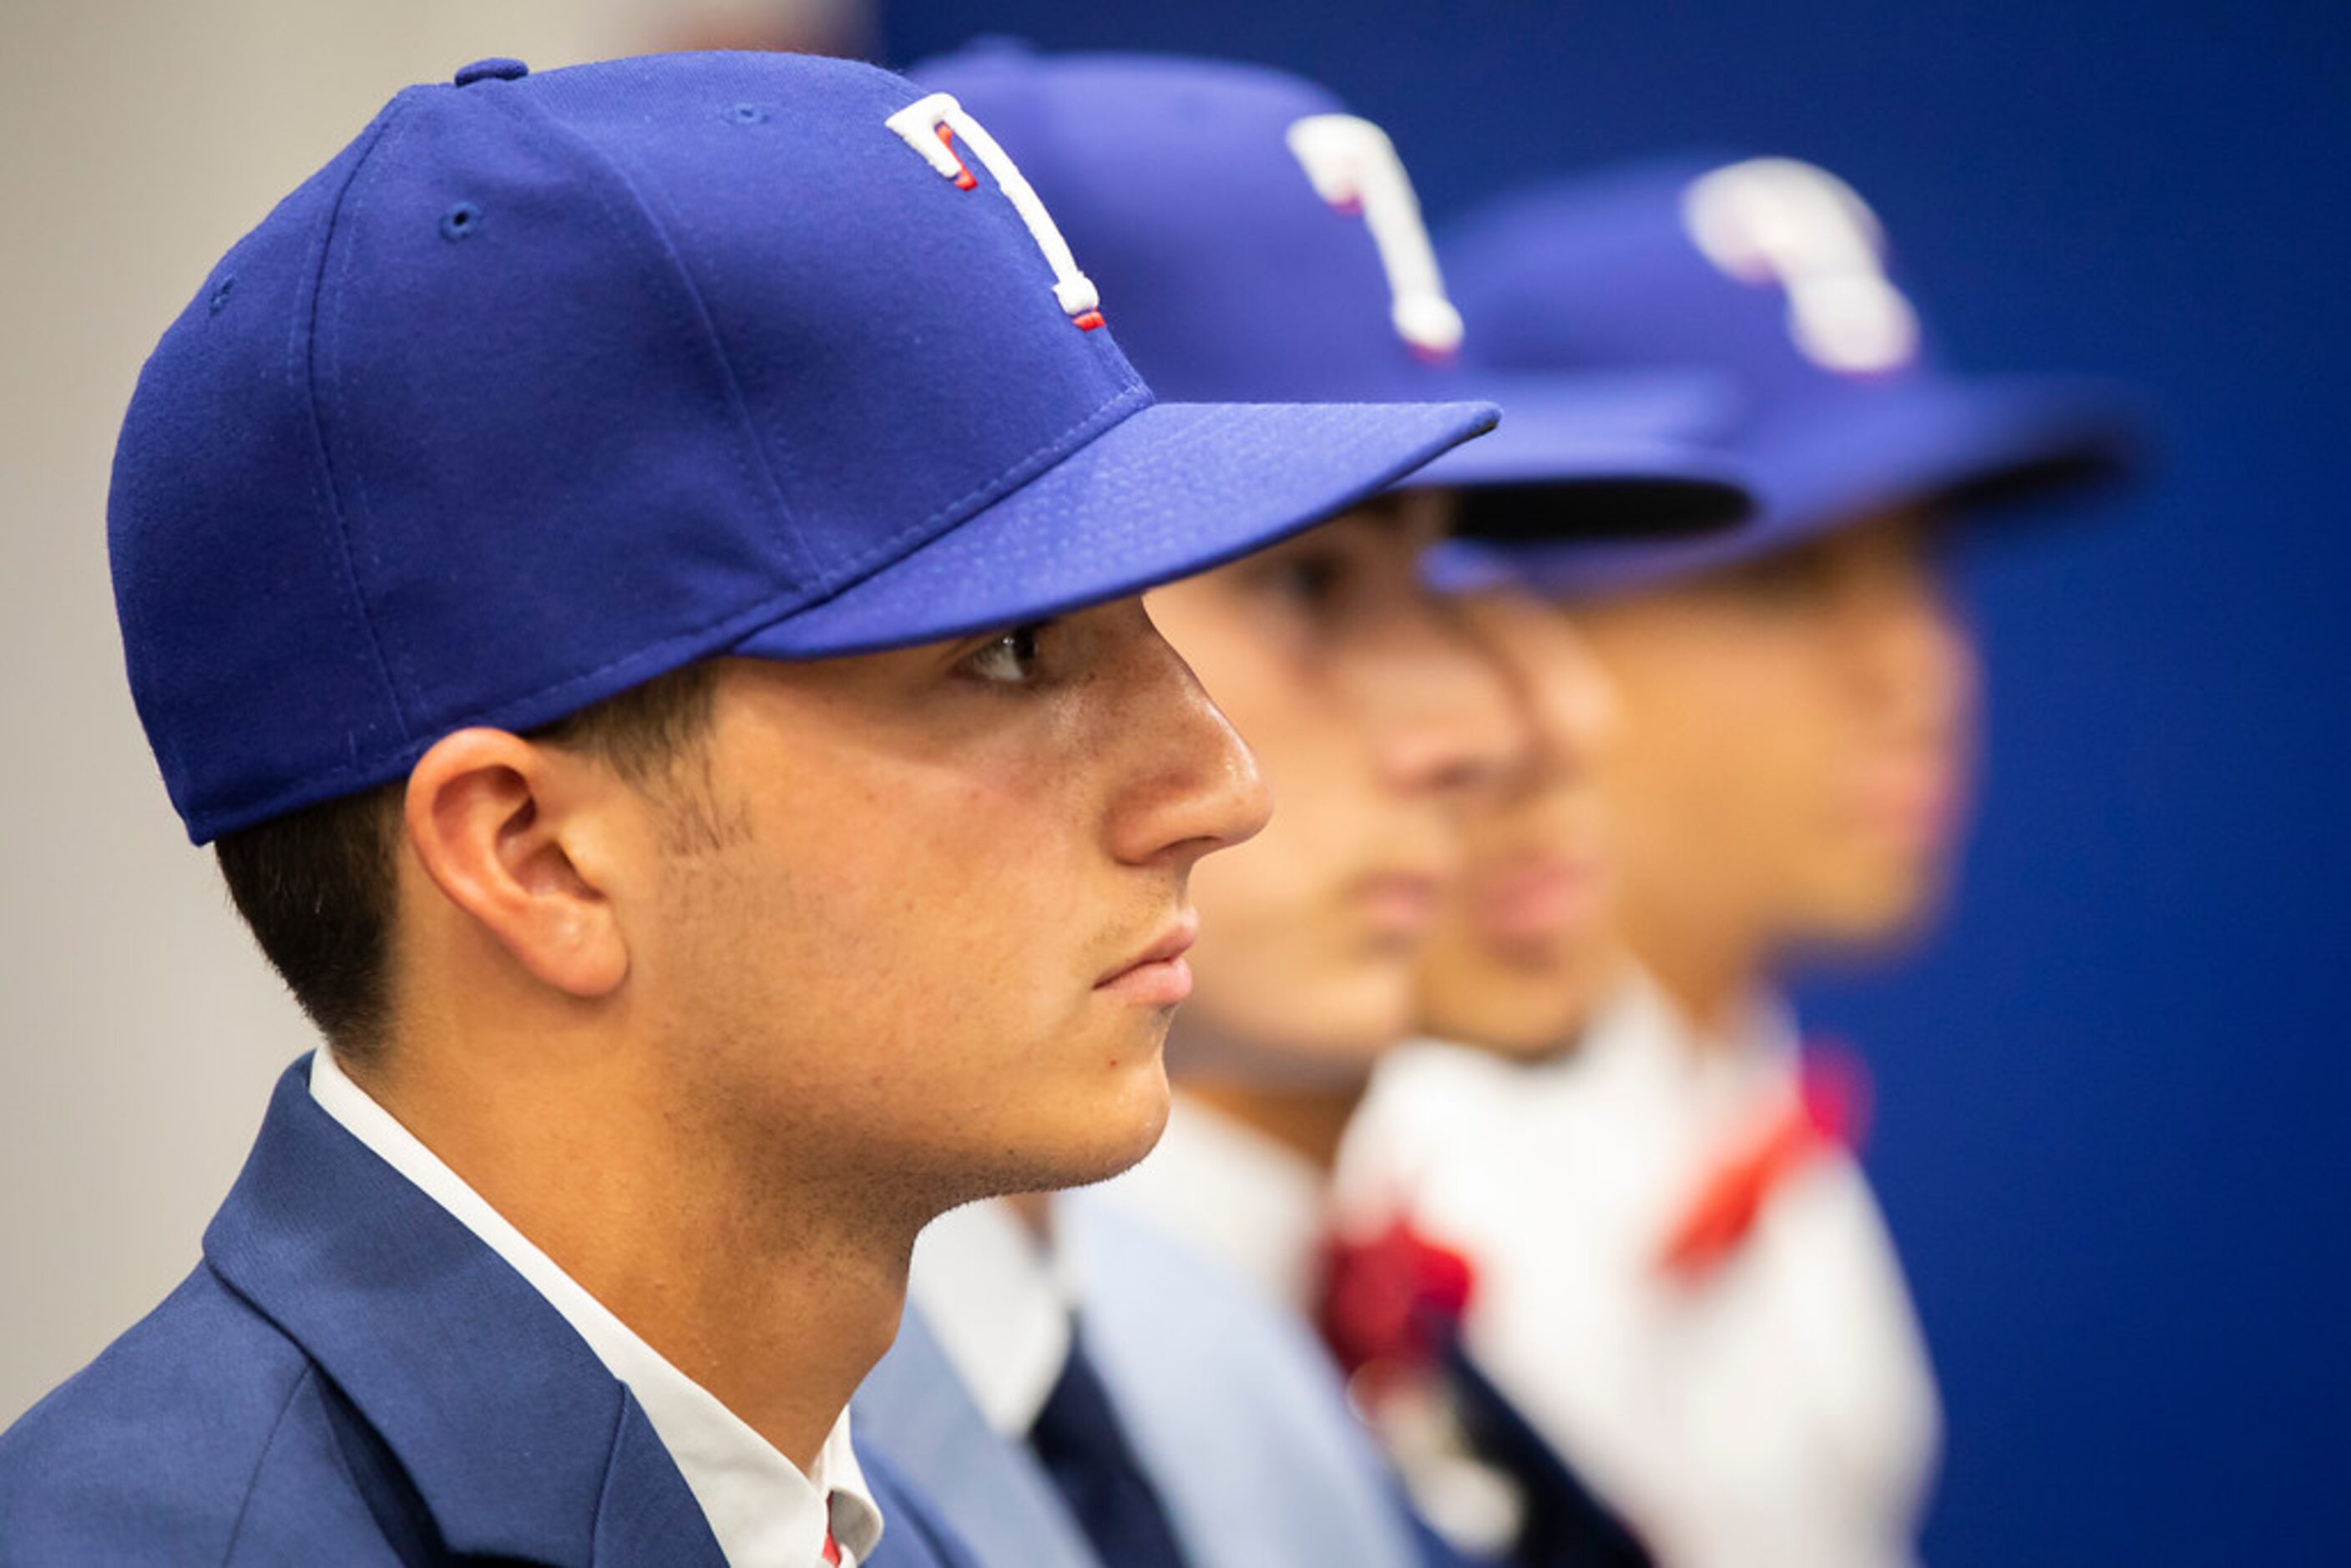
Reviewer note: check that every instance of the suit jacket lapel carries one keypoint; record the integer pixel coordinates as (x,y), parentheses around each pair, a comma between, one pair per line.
(519,1440)
(647,1513)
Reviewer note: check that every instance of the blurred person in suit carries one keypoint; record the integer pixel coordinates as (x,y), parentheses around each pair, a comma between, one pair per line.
(1676,1270)
(1093,1371)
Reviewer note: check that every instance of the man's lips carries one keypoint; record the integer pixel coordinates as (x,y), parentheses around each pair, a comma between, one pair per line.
(1538,898)
(1157,976)
(1400,904)
(1916,806)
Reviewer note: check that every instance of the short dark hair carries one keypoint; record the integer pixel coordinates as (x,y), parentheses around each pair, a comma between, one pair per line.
(317,887)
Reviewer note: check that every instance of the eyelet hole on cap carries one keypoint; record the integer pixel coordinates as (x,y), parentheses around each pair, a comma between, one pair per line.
(744,113)
(221,291)
(460,221)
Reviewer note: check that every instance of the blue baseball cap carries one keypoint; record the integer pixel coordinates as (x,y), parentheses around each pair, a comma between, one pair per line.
(1772,277)
(1265,244)
(550,383)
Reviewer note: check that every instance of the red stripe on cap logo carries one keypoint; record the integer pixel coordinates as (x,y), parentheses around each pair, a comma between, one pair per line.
(965,180)
(931,125)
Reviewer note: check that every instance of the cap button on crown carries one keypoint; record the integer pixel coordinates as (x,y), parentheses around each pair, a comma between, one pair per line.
(496,66)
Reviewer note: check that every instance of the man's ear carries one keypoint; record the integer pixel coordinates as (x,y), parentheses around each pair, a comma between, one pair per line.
(508,830)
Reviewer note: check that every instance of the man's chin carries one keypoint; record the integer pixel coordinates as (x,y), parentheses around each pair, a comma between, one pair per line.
(1128,1128)
(1514,1015)
(1090,1139)
(1881,922)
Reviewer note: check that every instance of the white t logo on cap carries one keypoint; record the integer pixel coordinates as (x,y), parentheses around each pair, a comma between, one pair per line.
(926,125)
(1775,220)
(1354,166)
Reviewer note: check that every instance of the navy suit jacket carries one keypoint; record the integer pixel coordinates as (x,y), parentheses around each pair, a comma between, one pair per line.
(351,1377)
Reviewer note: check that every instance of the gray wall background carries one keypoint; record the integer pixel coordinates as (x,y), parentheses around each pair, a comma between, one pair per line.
(139,1031)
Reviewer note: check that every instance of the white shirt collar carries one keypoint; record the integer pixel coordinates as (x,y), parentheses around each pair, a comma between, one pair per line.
(763,1511)
(1000,1299)
(1255,1204)
(1641,1028)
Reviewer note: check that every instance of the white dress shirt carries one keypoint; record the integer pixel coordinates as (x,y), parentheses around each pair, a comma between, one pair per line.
(1776,1412)
(763,1511)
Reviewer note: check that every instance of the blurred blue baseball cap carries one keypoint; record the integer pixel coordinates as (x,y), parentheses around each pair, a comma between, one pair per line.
(1264,243)
(1772,277)
(550,383)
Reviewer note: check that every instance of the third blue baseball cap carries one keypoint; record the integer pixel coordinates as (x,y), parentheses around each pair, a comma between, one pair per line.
(1266,245)
(1772,277)
(550,383)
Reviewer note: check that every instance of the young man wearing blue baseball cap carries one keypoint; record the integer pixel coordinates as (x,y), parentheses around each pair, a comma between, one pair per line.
(1682,1277)
(635,566)
(1111,1388)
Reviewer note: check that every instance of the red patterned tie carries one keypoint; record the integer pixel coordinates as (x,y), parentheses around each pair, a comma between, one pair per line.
(1828,1112)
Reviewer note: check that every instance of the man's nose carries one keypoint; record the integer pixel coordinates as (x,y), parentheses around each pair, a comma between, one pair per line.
(1198,788)
(1916,655)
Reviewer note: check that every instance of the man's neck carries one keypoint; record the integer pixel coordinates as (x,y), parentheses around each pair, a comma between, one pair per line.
(777,1297)
(1034,1211)
(1309,1120)
(1712,973)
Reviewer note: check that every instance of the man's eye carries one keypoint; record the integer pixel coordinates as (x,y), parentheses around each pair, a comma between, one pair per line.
(1793,579)
(1010,659)
(1312,579)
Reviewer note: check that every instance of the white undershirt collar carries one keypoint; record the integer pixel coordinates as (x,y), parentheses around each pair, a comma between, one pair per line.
(1643,1028)
(763,1511)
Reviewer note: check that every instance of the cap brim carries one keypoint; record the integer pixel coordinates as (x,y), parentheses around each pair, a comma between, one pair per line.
(1598,457)
(1963,442)
(1962,445)
(1172,490)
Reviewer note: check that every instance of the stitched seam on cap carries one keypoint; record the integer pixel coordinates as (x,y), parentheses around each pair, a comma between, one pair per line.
(666,257)
(396,651)
(334,507)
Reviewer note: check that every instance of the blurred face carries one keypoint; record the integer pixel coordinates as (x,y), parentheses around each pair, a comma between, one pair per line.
(1376,718)
(933,933)
(1797,739)
(1520,952)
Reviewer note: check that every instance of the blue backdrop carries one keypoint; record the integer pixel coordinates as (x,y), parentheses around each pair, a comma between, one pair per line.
(2112,1096)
